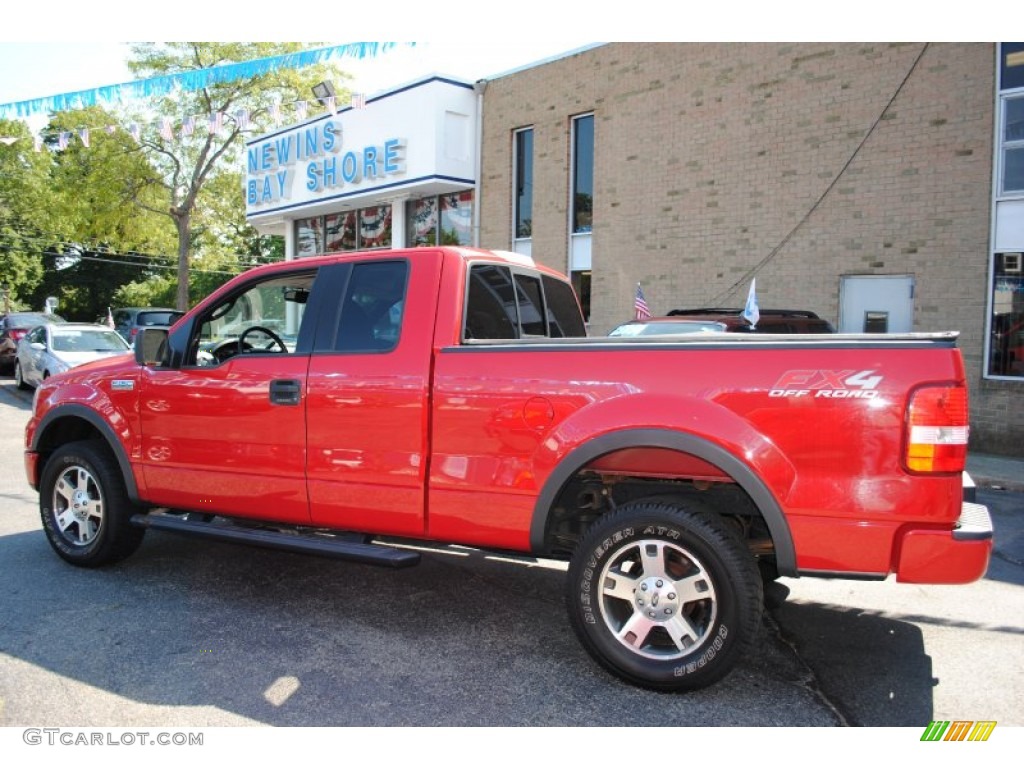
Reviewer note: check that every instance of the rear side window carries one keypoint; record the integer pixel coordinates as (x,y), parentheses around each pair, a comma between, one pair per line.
(564,318)
(491,311)
(506,303)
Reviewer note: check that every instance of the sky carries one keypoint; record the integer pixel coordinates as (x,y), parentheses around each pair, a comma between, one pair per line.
(82,45)
(35,69)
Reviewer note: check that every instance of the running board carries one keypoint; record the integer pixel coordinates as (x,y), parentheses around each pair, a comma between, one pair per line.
(340,546)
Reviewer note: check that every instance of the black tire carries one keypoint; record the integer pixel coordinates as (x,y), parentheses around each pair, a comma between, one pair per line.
(19,379)
(684,566)
(84,506)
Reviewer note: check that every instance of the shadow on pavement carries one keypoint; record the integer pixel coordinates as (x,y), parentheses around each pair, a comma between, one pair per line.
(875,665)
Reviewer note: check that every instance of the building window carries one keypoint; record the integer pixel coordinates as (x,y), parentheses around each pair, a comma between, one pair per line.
(1012,146)
(444,220)
(1005,347)
(375,227)
(581,284)
(341,231)
(309,236)
(523,184)
(583,174)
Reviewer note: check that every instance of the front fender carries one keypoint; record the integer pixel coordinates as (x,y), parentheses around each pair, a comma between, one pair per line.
(72,410)
(697,427)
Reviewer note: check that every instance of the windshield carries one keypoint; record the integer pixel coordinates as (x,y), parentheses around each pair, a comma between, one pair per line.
(88,341)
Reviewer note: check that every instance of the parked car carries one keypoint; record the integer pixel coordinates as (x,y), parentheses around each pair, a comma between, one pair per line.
(128,320)
(665,326)
(771,320)
(13,327)
(52,348)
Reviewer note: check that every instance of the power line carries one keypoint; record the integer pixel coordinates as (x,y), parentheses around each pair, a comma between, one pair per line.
(752,272)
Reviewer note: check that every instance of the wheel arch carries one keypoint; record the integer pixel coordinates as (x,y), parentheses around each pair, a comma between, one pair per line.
(685,443)
(71,422)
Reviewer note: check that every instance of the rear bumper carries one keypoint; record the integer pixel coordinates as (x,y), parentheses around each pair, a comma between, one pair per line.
(957,556)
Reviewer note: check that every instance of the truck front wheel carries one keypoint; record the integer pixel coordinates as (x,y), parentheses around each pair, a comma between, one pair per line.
(84,506)
(663,596)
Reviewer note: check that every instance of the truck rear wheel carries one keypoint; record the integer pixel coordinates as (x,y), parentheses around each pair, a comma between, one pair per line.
(84,506)
(663,596)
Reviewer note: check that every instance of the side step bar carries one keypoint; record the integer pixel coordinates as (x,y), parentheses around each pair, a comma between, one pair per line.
(339,546)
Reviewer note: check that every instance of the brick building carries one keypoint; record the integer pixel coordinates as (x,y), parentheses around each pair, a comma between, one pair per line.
(840,175)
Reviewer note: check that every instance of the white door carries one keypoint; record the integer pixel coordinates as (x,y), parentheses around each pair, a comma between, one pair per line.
(876,304)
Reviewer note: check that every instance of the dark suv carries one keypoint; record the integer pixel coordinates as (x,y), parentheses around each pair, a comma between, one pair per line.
(129,320)
(13,326)
(727,320)
(771,321)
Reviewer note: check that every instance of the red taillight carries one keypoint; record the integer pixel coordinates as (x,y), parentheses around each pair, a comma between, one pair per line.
(937,429)
(18,333)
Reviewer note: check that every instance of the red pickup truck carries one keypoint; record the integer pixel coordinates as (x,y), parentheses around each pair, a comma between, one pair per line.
(338,405)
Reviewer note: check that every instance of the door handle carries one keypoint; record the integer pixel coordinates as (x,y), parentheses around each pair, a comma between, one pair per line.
(285,392)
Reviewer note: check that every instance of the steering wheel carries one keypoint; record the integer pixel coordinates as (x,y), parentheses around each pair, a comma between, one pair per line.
(274,338)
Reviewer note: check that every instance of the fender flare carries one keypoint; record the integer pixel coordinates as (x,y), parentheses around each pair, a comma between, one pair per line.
(76,411)
(576,459)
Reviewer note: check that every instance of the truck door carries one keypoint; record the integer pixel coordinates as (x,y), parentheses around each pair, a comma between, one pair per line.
(225,430)
(368,396)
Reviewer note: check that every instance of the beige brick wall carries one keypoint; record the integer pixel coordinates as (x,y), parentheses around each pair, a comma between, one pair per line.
(708,155)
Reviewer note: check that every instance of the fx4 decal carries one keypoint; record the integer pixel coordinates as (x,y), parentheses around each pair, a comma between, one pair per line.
(829,384)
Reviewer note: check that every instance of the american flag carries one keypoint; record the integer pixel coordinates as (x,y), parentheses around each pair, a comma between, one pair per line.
(358,101)
(275,113)
(640,308)
(62,139)
(166,130)
(216,122)
(300,110)
(188,126)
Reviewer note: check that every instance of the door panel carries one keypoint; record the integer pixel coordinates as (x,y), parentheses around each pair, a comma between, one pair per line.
(876,304)
(212,439)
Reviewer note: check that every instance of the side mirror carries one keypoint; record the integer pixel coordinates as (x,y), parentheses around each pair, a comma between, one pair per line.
(38,345)
(150,346)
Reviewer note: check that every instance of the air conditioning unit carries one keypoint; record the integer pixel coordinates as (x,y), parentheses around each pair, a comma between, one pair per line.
(1011,264)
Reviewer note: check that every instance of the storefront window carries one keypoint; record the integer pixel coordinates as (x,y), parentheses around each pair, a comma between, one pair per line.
(422,222)
(309,237)
(444,220)
(583,174)
(523,183)
(341,231)
(375,227)
(457,218)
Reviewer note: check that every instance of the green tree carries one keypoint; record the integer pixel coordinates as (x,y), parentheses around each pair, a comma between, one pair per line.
(23,180)
(96,236)
(189,164)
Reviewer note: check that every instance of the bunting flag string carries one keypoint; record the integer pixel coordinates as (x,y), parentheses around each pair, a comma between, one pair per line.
(191,80)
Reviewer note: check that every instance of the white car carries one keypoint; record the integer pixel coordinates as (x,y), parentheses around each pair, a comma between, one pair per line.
(50,349)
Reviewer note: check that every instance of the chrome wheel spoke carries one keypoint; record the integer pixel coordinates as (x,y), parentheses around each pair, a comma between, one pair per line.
(620,586)
(682,632)
(652,558)
(697,587)
(634,632)
(64,519)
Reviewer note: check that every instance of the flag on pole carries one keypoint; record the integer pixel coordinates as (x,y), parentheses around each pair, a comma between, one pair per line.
(110,318)
(358,101)
(750,310)
(640,309)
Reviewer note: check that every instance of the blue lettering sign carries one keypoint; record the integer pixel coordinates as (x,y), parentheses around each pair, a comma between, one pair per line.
(331,172)
(268,190)
(282,178)
(332,136)
(283,148)
(350,168)
(394,156)
(313,177)
(370,162)
(252,194)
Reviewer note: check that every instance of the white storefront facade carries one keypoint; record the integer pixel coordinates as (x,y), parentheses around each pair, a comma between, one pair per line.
(400,172)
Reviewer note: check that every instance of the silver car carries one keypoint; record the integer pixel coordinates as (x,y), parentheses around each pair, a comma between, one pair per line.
(50,349)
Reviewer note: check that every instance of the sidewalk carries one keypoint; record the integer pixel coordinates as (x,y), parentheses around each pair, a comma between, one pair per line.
(989,471)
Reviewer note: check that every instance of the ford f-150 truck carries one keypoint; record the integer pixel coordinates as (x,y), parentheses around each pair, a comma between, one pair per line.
(346,403)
